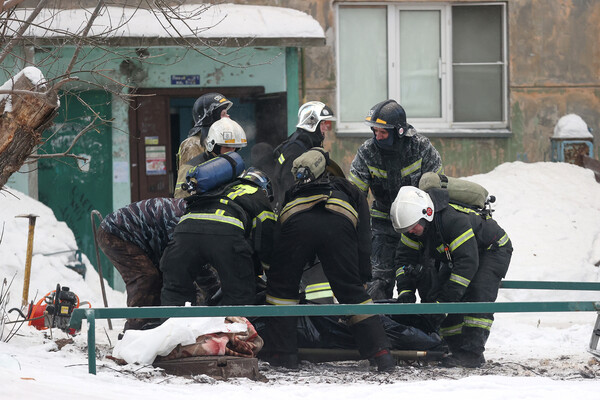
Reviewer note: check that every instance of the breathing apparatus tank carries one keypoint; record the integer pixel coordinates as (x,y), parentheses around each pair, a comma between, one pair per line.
(213,173)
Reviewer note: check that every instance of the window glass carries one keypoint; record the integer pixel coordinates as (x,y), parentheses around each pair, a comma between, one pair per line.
(477,63)
(445,63)
(420,52)
(477,93)
(476,34)
(362,60)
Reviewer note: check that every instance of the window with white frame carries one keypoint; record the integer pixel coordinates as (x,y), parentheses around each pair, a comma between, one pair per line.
(444,63)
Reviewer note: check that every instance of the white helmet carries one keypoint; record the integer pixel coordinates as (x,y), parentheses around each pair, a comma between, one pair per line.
(312,113)
(225,132)
(410,206)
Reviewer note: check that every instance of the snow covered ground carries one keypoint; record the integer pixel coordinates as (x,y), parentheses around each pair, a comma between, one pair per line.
(551,211)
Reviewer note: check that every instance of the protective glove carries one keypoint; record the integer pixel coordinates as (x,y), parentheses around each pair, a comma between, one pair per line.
(406,296)
(435,321)
(377,289)
(414,271)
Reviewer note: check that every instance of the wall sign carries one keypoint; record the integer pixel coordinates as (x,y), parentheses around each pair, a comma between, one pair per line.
(179,80)
(150,140)
(156,160)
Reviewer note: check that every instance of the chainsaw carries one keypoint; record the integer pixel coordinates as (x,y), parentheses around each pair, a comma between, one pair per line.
(54,310)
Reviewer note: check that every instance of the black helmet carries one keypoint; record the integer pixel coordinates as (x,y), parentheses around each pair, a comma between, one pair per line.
(259,178)
(387,115)
(207,110)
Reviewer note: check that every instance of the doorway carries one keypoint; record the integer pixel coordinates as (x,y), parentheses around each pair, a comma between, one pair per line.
(160,120)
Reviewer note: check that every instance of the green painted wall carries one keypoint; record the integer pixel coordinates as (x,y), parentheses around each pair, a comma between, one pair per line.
(66,185)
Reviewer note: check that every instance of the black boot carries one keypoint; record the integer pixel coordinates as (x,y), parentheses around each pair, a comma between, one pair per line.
(463,359)
(385,361)
(373,342)
(285,360)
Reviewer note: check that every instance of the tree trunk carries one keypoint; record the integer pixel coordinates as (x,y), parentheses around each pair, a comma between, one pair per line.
(22,126)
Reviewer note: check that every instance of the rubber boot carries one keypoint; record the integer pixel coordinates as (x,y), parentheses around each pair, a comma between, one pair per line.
(373,342)
(385,361)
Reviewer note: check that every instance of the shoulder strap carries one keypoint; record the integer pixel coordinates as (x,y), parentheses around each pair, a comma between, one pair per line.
(288,142)
(233,164)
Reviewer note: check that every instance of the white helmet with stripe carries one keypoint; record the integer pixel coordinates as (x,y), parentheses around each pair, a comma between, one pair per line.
(225,132)
(410,206)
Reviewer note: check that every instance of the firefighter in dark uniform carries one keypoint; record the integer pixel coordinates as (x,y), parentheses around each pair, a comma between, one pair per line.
(470,254)
(395,156)
(230,228)
(324,216)
(208,109)
(314,121)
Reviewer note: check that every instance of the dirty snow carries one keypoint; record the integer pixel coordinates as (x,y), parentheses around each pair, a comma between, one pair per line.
(551,211)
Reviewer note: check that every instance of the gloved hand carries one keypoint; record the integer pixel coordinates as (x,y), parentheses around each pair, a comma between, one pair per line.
(435,321)
(377,289)
(414,271)
(406,297)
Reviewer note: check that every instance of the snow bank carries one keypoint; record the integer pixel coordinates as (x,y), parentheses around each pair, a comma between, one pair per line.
(54,247)
(551,212)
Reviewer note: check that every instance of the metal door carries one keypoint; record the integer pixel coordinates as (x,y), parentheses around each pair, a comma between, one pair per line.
(151,158)
(73,189)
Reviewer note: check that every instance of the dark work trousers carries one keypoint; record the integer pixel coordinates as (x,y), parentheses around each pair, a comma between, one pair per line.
(187,254)
(384,242)
(469,332)
(142,278)
(333,239)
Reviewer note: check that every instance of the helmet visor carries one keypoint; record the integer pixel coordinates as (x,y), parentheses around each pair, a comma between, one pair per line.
(377,123)
(407,229)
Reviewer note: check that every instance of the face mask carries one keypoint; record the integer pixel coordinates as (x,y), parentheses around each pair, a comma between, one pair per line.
(386,144)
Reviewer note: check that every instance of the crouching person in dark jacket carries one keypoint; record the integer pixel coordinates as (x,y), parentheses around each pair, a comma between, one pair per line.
(134,238)
(327,217)
(452,254)
(230,228)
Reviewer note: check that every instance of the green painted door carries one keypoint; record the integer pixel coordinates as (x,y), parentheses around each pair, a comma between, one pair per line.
(73,190)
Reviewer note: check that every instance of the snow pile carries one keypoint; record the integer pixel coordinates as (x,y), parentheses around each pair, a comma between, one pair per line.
(551,212)
(54,246)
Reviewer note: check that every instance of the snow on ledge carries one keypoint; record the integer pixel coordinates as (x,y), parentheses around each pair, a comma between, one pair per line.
(34,76)
(571,126)
(201,20)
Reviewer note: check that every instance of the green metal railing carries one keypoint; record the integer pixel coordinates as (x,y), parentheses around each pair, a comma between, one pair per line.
(92,314)
(550,285)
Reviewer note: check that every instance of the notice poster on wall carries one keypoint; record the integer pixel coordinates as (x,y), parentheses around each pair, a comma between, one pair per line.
(156,160)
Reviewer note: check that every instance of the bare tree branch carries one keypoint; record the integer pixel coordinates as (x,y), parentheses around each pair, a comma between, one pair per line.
(65,153)
(84,34)
(7,49)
